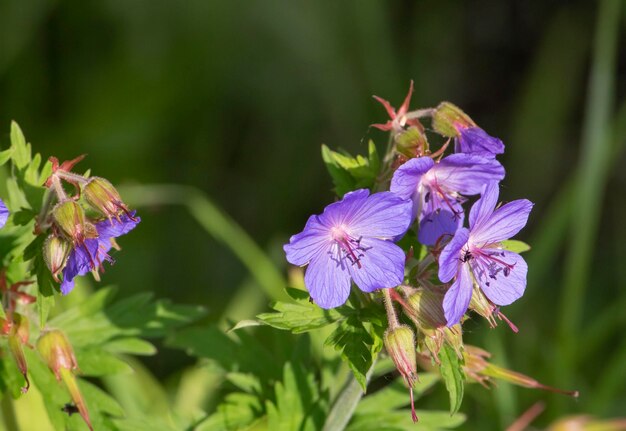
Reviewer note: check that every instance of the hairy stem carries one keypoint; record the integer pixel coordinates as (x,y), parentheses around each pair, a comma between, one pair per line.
(346,403)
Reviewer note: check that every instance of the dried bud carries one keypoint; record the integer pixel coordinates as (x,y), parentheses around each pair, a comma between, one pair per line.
(57,351)
(480,369)
(103,197)
(448,118)
(70,218)
(400,344)
(55,253)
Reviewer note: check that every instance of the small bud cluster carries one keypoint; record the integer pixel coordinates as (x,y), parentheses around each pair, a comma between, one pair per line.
(82,226)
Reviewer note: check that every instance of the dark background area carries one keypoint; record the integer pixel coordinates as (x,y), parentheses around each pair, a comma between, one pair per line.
(235,98)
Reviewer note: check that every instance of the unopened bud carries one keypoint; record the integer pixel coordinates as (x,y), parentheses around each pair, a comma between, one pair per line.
(400,344)
(426,308)
(57,351)
(449,118)
(103,197)
(411,142)
(55,253)
(70,218)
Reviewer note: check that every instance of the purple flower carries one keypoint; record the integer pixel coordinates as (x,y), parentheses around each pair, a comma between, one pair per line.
(438,190)
(4,213)
(475,255)
(352,240)
(94,252)
(474,140)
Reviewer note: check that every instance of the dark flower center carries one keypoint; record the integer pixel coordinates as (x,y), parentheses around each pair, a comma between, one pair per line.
(492,260)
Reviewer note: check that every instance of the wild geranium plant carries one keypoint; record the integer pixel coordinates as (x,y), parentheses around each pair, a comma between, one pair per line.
(57,225)
(415,244)
(401,232)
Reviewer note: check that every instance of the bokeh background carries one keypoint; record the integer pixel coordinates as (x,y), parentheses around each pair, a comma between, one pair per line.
(234,98)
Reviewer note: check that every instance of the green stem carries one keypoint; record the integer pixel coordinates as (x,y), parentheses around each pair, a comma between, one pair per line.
(592,176)
(8,414)
(219,226)
(346,403)
(392,317)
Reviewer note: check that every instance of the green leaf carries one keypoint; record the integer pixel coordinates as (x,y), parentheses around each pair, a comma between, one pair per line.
(342,180)
(357,346)
(132,346)
(515,246)
(373,159)
(21,150)
(236,412)
(11,379)
(24,216)
(137,316)
(238,352)
(98,362)
(453,376)
(350,173)
(299,318)
(5,156)
(247,382)
(298,405)
(245,324)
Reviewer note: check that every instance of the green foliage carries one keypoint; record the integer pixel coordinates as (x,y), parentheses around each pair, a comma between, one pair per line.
(386,409)
(357,334)
(351,173)
(102,334)
(359,344)
(299,404)
(453,376)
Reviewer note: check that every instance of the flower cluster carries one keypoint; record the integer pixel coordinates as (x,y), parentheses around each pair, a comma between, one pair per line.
(354,238)
(460,268)
(83,226)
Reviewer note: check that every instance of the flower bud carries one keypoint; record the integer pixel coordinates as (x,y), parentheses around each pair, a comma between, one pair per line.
(70,218)
(103,197)
(57,351)
(59,355)
(18,337)
(448,118)
(411,142)
(400,344)
(426,309)
(55,253)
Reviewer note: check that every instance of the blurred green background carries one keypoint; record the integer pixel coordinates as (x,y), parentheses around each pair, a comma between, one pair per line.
(235,97)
